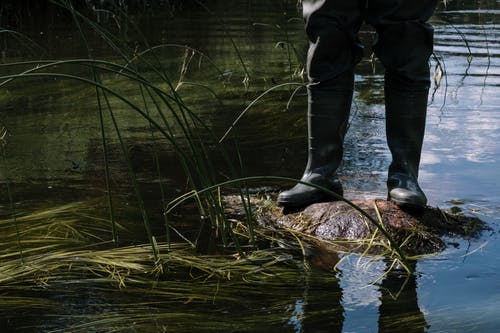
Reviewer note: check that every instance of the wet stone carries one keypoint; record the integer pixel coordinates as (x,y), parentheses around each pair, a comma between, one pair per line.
(326,223)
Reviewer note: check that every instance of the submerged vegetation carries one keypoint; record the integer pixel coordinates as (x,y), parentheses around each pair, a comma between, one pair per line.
(69,243)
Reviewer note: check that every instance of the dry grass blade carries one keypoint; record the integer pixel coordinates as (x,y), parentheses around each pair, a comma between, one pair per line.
(3,136)
(65,243)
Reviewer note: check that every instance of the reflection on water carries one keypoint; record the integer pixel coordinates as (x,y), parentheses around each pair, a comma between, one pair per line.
(54,150)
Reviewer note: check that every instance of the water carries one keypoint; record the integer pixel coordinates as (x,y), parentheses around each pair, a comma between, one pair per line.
(53,156)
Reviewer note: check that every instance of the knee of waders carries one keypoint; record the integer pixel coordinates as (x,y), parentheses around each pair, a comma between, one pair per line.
(333,49)
(405,48)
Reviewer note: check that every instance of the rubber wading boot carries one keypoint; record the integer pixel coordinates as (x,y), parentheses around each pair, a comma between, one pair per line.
(328,116)
(405,127)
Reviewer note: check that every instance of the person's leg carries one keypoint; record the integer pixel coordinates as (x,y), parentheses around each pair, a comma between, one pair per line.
(404,45)
(331,26)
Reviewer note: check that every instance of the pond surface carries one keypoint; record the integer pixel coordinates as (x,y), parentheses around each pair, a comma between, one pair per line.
(53,156)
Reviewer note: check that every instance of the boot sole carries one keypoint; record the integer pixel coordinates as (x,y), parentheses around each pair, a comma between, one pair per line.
(294,204)
(407,205)
(303,204)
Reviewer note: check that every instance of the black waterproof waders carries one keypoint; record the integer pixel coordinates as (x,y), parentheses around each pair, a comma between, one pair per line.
(404,44)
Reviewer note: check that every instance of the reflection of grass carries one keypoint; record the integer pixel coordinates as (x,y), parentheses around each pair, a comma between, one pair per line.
(287,43)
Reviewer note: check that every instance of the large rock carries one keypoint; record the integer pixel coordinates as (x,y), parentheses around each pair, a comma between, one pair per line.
(338,223)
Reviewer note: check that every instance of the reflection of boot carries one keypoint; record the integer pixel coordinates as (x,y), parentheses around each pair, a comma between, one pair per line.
(399,310)
(405,125)
(328,115)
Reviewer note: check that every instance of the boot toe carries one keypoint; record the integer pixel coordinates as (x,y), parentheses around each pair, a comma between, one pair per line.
(407,198)
(302,195)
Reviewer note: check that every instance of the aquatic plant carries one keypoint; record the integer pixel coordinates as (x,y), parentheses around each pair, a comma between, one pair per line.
(161,106)
(70,242)
(169,119)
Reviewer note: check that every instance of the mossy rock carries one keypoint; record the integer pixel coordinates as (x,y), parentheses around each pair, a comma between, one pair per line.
(338,223)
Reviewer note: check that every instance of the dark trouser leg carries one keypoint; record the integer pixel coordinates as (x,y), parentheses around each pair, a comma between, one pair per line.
(404,45)
(332,28)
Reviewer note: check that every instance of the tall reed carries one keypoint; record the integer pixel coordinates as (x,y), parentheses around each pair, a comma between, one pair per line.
(195,158)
